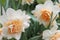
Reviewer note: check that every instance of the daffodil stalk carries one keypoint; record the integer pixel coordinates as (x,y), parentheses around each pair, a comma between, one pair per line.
(0,9)
(19,4)
(7,4)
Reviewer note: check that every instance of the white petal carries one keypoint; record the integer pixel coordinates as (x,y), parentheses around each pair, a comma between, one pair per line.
(26,24)
(1,37)
(39,6)
(55,26)
(59,0)
(3,19)
(58,31)
(55,10)
(46,34)
(19,12)
(5,31)
(17,36)
(48,3)
(9,37)
(10,13)
(27,17)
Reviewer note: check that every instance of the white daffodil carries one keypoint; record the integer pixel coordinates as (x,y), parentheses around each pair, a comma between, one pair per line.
(14,23)
(27,2)
(52,34)
(44,11)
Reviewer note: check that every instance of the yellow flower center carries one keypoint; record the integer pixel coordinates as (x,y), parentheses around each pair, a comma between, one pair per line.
(14,26)
(45,15)
(28,1)
(55,37)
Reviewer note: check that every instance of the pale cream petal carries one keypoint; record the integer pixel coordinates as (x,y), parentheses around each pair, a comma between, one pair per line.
(19,12)
(46,34)
(17,36)
(48,3)
(27,17)
(10,13)
(9,37)
(39,6)
(56,10)
(54,26)
(0,37)
(59,0)
(26,24)
(3,19)
(58,31)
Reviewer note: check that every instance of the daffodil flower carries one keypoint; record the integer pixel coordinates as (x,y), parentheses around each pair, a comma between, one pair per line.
(52,34)
(44,11)
(14,23)
(27,2)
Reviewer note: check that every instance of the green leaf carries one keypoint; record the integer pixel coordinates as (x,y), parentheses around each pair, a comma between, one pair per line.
(12,39)
(40,1)
(19,2)
(4,38)
(0,9)
(13,4)
(3,2)
(23,36)
(0,25)
(35,38)
(7,4)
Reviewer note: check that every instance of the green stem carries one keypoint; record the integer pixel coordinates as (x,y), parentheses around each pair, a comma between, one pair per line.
(18,4)
(7,4)
(13,4)
(0,9)
(28,9)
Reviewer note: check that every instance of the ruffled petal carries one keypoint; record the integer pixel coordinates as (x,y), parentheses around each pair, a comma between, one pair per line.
(46,34)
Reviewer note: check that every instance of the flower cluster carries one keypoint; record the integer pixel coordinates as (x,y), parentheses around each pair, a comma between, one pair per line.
(15,22)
